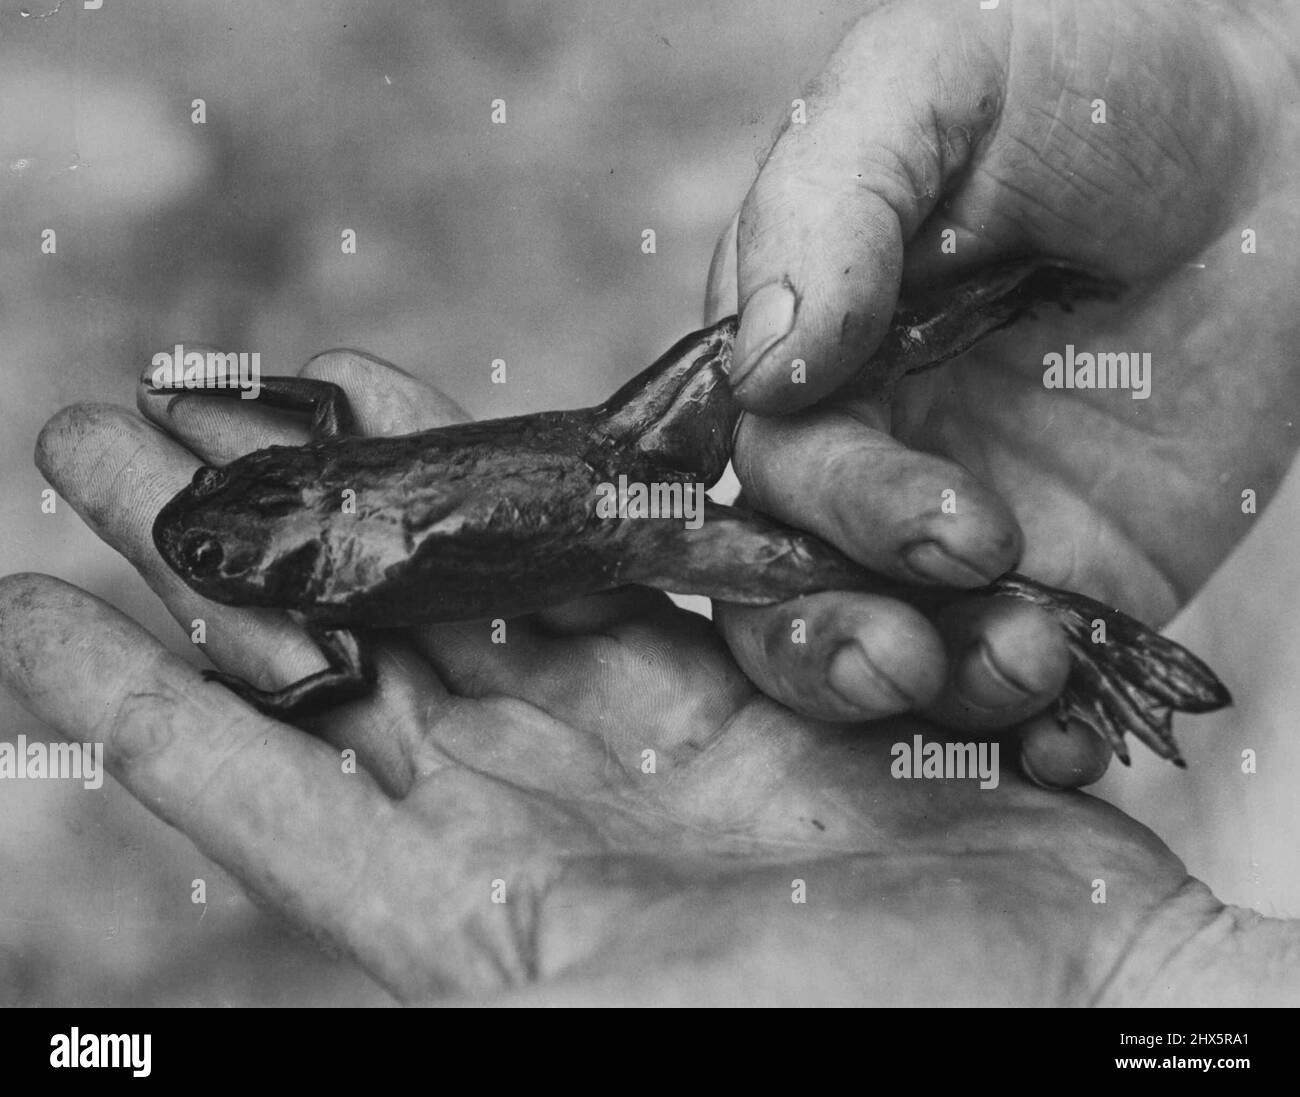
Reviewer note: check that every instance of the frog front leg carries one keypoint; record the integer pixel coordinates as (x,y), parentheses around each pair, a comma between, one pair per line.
(350,674)
(326,403)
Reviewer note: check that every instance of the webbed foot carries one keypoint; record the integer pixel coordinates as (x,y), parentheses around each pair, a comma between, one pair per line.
(1131,679)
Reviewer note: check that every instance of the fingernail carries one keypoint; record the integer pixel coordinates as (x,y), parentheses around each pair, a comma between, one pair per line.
(1028,771)
(860,683)
(766,319)
(932,563)
(1006,683)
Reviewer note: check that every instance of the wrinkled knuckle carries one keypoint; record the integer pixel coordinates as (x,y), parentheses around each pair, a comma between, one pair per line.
(141,726)
(837,488)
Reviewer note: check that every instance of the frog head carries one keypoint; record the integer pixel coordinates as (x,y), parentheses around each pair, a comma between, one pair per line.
(241,535)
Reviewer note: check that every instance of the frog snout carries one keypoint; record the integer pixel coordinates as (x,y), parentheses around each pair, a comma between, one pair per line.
(188,548)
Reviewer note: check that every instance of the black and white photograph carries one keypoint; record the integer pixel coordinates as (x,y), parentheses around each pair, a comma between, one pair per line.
(657,503)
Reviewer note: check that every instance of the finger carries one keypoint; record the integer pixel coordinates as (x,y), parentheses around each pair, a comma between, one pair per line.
(1008,660)
(1062,759)
(903,101)
(117,472)
(217,430)
(905,514)
(838,655)
(385,399)
(407,895)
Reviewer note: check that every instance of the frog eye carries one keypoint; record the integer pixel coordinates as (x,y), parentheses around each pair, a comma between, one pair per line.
(201,552)
(206,479)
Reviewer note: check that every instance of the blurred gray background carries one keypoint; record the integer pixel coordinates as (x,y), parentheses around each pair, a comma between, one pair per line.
(476,242)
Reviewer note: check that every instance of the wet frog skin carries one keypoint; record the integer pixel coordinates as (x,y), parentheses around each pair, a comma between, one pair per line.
(499,518)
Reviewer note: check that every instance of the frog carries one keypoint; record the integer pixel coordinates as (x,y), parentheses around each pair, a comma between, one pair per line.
(487,520)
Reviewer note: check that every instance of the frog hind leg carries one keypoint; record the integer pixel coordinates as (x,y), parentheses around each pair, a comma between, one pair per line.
(326,403)
(349,676)
(1128,678)
(942,323)
(738,555)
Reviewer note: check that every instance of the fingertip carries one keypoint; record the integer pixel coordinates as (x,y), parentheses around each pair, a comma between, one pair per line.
(903,513)
(32,605)
(385,399)
(819,261)
(965,538)
(58,681)
(340,364)
(1020,649)
(868,675)
(1009,660)
(149,394)
(838,655)
(22,591)
(900,643)
(783,362)
(65,425)
(1057,759)
(59,443)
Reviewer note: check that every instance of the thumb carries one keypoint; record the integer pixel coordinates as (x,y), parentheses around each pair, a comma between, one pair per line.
(893,119)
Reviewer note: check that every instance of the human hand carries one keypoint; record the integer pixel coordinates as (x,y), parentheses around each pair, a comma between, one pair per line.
(518,771)
(937,117)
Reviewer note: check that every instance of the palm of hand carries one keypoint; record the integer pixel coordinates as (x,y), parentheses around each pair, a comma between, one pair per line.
(691,871)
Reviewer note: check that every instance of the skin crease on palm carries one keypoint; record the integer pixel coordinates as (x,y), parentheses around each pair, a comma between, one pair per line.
(520,765)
